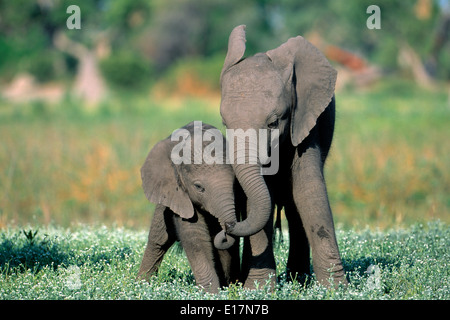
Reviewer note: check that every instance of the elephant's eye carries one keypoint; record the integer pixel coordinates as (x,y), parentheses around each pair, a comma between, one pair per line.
(273,124)
(199,187)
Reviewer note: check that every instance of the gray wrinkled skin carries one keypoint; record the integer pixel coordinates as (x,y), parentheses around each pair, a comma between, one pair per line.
(290,88)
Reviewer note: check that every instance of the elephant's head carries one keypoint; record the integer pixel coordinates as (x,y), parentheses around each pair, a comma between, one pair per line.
(287,89)
(180,187)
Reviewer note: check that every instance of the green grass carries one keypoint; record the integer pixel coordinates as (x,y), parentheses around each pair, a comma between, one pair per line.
(98,262)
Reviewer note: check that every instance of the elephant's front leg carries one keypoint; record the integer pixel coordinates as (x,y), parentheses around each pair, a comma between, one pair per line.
(261,263)
(198,246)
(160,238)
(310,197)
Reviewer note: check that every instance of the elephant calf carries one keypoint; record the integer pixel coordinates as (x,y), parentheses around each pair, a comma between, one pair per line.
(289,89)
(193,203)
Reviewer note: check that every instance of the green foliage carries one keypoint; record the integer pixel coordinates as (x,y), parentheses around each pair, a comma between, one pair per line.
(42,66)
(163,32)
(126,70)
(30,235)
(102,263)
(126,15)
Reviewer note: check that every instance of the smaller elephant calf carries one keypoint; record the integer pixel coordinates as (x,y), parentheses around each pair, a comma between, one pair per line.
(193,202)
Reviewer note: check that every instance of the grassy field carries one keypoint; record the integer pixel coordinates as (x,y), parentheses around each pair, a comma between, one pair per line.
(97,262)
(388,178)
(389,164)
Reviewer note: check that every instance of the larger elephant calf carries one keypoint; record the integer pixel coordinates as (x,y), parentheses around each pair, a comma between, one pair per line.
(290,88)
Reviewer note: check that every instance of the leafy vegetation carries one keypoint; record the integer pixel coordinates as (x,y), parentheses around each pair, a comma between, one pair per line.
(98,262)
(159,33)
(125,70)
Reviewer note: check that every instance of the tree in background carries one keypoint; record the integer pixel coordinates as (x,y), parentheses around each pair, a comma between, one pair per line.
(35,39)
(134,41)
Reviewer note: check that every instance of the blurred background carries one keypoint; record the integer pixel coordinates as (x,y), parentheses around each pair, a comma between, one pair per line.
(81,108)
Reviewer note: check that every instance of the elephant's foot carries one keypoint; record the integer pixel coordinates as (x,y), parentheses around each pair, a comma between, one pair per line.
(210,285)
(334,276)
(259,278)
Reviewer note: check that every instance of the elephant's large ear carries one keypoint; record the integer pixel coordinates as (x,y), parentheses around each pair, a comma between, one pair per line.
(236,48)
(160,182)
(314,79)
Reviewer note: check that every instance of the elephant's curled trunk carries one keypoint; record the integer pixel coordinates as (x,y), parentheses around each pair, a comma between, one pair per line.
(259,203)
(223,208)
